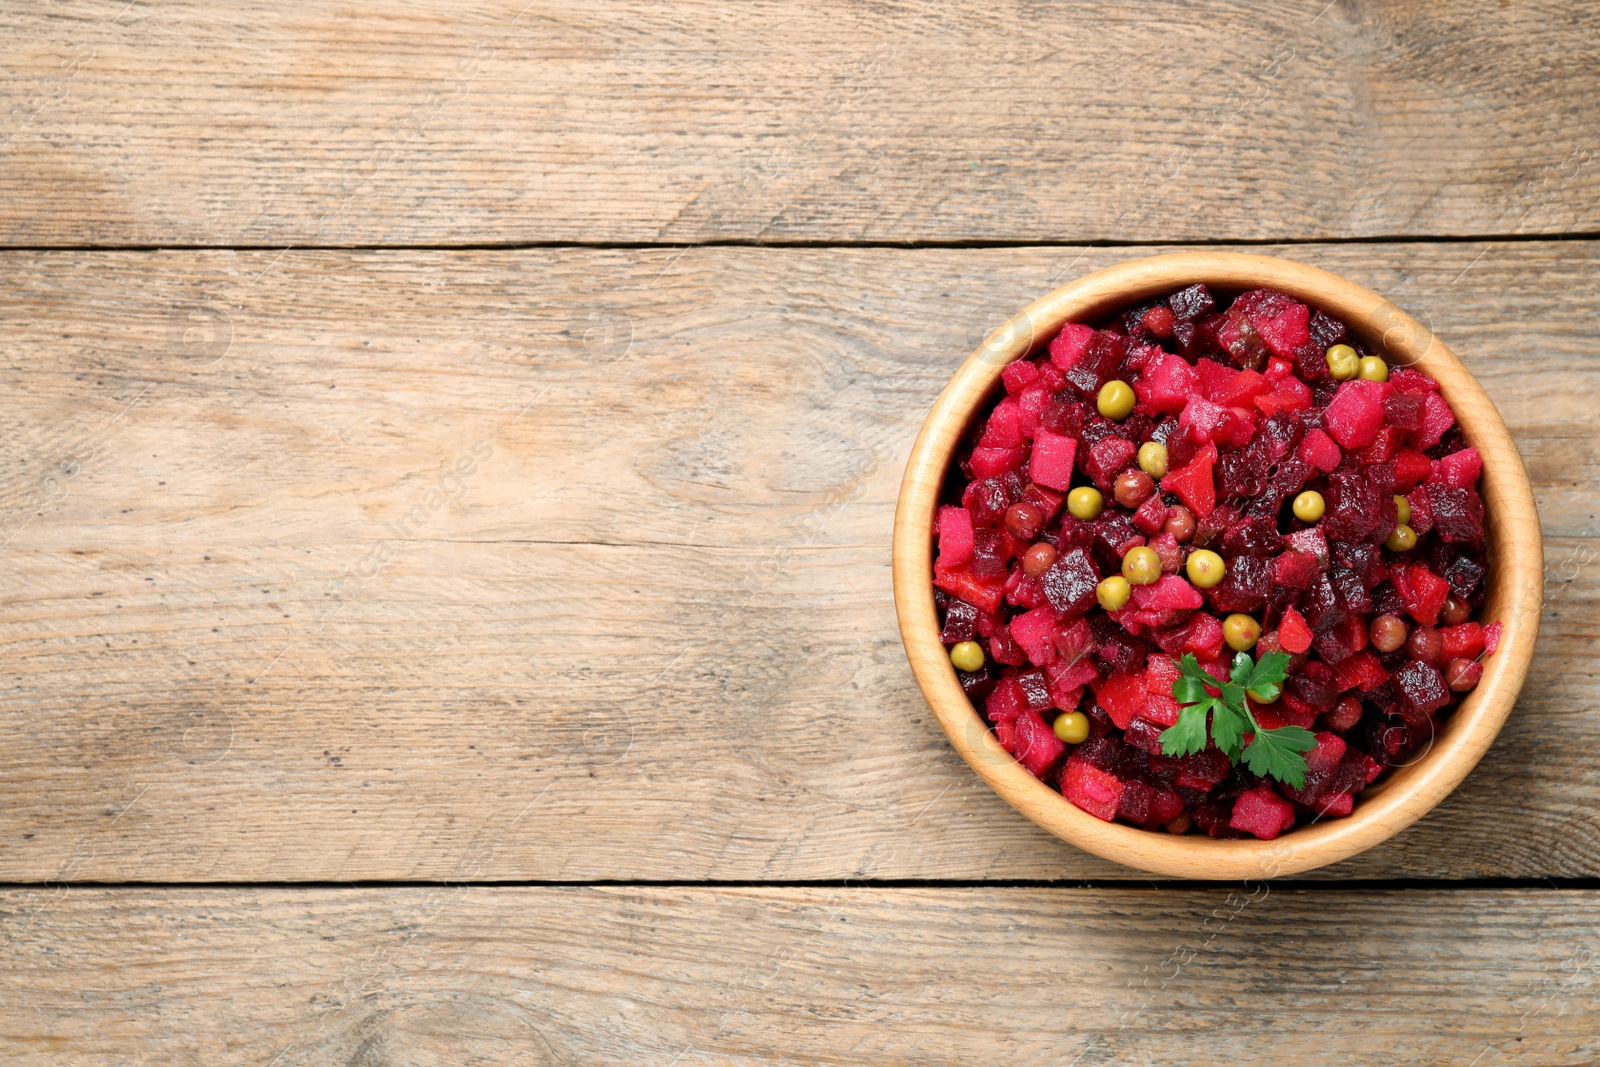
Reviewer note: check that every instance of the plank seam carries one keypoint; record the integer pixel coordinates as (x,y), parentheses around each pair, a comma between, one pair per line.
(913,245)
(1136,884)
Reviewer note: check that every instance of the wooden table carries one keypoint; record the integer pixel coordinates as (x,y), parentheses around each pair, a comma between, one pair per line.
(448,465)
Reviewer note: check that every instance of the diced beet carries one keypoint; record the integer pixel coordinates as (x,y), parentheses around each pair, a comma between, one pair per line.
(1356,413)
(1070,584)
(1003,649)
(1202,636)
(1332,650)
(987,499)
(1203,418)
(1023,591)
(976,684)
(986,593)
(1181,445)
(1353,505)
(1048,501)
(1031,404)
(1005,701)
(1290,394)
(1053,455)
(1318,691)
(1123,696)
(1191,303)
(1459,470)
(1090,788)
(1074,533)
(1240,389)
(960,622)
(1035,631)
(1462,642)
(1320,451)
(1019,374)
(1098,363)
(1166,547)
(1108,458)
(988,554)
(1421,510)
(1360,671)
(1214,378)
(993,462)
(1245,585)
(1075,641)
(1004,426)
(1406,380)
(1202,770)
(1457,514)
(1169,593)
(1165,806)
(1166,384)
(1436,419)
(1151,515)
(1115,533)
(1320,605)
(1066,676)
(1295,570)
(1464,575)
(955,536)
(1286,331)
(1422,591)
(1064,416)
(1070,344)
(1194,484)
(1242,473)
(1262,812)
(1491,637)
(1312,541)
(1161,671)
(1134,804)
(1410,468)
(1035,745)
(1403,411)
(1421,686)
(1035,688)
(1383,448)
(1254,536)
(1294,634)
(1335,805)
(1326,331)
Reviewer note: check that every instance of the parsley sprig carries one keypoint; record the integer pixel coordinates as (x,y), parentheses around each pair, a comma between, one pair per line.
(1270,753)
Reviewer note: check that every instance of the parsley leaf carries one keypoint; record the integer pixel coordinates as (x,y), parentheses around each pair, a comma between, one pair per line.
(1266,678)
(1227,730)
(1189,735)
(1270,753)
(1276,754)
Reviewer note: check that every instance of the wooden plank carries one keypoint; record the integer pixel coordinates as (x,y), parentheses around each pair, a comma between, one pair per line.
(705,975)
(278,122)
(255,630)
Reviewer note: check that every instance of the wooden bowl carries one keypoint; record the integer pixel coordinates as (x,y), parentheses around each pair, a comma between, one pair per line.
(1513,545)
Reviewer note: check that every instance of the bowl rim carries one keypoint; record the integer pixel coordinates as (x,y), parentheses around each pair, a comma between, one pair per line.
(1513,546)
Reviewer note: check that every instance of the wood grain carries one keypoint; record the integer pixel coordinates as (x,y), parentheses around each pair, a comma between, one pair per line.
(253,630)
(286,122)
(816,976)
